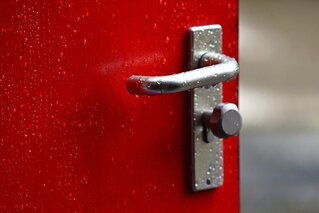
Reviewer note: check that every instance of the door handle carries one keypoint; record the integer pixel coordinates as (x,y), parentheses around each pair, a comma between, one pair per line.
(211,120)
(215,68)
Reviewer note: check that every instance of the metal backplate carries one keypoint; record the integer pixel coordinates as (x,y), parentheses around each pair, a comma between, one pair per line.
(207,157)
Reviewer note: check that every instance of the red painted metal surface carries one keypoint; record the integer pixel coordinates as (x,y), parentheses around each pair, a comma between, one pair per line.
(71,138)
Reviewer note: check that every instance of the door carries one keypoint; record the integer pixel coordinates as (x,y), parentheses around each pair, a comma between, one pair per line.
(72,138)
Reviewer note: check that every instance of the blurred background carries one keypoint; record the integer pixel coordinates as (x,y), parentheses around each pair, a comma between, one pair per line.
(279,101)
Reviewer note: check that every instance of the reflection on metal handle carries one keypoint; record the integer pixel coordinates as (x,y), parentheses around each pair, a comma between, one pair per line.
(224,68)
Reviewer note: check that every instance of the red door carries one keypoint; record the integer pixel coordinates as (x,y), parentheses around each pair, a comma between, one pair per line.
(72,138)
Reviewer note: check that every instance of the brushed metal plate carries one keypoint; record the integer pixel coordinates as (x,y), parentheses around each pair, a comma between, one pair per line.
(207,157)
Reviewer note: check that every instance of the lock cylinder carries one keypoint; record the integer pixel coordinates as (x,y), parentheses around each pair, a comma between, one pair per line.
(225,121)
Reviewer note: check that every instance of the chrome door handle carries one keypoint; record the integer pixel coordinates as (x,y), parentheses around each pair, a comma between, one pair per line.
(211,120)
(215,68)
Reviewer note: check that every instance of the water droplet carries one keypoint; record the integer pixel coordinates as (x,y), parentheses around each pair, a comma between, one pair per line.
(155,26)
(164,61)
(167,40)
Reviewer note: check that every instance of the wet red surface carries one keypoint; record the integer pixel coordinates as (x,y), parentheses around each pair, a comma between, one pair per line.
(72,138)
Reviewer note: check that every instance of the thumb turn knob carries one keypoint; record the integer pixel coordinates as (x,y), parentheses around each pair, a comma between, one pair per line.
(224,121)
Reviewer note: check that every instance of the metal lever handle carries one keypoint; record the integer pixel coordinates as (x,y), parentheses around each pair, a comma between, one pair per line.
(224,68)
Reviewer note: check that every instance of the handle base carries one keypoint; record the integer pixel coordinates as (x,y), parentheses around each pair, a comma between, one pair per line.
(207,156)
